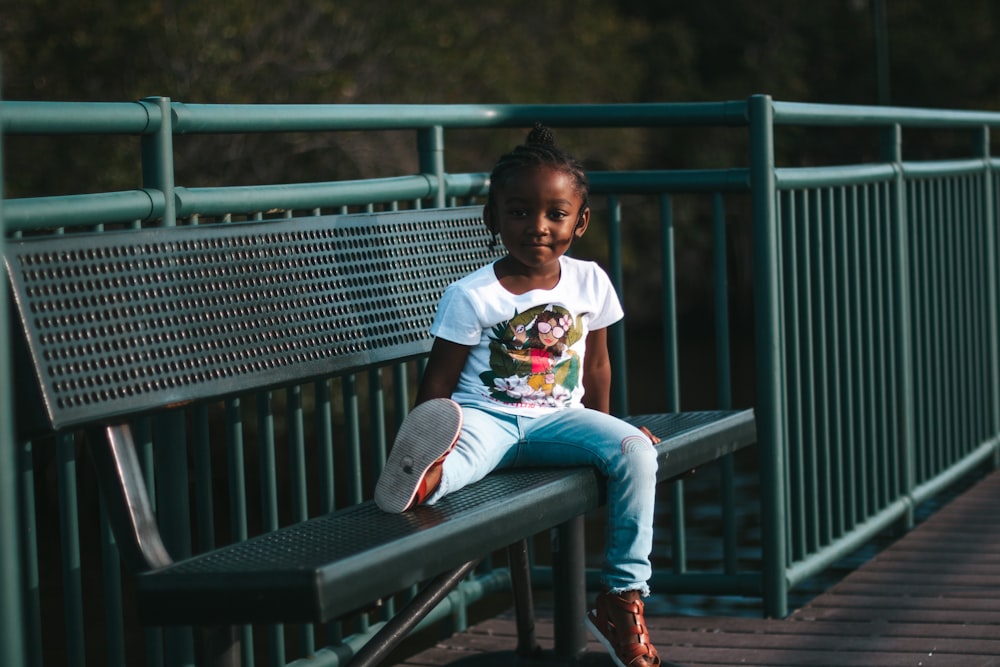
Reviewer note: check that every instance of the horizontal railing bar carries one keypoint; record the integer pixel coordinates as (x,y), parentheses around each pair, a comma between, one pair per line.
(218,118)
(90,209)
(801,113)
(32,117)
(222,200)
(981,455)
(37,213)
(78,117)
(862,533)
(945,168)
(788,178)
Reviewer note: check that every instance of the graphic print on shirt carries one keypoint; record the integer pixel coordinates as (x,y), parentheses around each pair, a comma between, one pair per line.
(531,360)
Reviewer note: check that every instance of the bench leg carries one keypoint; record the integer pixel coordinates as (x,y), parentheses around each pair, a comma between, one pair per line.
(524,606)
(570,590)
(218,646)
(396,630)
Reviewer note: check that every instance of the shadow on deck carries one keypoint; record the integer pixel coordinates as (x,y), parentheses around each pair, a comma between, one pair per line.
(930,599)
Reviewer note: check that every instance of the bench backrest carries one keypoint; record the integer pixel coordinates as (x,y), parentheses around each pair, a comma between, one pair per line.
(121,323)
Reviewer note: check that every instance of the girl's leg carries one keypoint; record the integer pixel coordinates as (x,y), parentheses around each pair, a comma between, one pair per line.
(486,439)
(627,457)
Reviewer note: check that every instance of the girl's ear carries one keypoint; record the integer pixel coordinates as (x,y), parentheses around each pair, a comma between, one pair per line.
(582,222)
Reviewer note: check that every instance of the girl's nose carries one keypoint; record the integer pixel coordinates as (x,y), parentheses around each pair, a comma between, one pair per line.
(538,224)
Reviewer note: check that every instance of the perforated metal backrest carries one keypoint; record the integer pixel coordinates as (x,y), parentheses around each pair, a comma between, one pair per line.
(125,322)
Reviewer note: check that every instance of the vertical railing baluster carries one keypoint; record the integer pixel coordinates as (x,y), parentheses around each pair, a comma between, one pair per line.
(724,391)
(202,449)
(831,363)
(668,271)
(789,221)
(840,284)
(325,446)
(69,533)
(266,446)
(668,279)
(237,489)
(114,623)
(616,332)
(29,575)
(376,421)
(806,329)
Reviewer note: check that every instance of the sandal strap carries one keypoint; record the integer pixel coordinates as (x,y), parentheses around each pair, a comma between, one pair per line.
(623,623)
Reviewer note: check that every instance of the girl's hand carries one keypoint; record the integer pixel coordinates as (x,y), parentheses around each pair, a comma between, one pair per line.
(649,434)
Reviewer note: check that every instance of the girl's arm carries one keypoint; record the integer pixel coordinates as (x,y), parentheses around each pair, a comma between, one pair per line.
(597,372)
(597,376)
(443,370)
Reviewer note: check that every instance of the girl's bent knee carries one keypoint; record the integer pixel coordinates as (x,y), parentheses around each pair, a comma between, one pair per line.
(639,456)
(637,444)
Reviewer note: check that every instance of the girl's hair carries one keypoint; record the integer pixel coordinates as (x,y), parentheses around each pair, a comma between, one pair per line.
(539,150)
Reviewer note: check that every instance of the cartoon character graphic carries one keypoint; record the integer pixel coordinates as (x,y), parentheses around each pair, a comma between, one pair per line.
(531,360)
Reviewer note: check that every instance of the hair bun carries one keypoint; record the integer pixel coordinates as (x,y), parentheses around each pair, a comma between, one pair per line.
(541,136)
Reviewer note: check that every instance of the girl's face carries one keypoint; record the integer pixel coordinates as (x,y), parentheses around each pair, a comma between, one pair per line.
(538,213)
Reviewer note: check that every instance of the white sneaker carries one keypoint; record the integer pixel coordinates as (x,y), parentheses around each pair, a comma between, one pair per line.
(425,438)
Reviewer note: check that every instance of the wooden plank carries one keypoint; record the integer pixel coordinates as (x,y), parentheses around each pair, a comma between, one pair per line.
(931,599)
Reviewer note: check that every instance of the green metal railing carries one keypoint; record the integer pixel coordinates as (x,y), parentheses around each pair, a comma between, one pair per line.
(874,346)
(881,386)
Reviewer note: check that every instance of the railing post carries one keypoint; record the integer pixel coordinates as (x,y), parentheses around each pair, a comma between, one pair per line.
(158,155)
(892,151)
(430,146)
(770,365)
(990,214)
(169,442)
(11,613)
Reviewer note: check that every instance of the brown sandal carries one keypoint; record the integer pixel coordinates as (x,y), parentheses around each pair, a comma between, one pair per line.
(617,622)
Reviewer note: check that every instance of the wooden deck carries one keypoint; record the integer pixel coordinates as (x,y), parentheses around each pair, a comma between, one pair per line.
(931,599)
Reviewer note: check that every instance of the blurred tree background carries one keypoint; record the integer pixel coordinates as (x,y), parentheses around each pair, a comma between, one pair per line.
(446,51)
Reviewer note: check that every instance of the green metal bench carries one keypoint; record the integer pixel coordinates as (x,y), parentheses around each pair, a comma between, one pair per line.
(122,324)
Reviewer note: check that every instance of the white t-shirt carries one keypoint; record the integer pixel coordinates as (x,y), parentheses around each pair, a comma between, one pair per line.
(527,349)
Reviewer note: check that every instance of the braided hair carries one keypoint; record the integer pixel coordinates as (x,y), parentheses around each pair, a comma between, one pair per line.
(539,150)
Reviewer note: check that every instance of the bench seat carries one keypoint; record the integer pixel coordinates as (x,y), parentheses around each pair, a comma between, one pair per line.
(321,569)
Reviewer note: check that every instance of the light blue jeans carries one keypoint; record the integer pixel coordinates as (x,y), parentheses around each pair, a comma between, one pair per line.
(491,440)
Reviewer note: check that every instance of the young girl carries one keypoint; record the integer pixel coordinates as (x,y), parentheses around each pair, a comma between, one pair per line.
(519,375)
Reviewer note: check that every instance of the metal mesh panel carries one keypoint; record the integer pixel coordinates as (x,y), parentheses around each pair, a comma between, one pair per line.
(130,321)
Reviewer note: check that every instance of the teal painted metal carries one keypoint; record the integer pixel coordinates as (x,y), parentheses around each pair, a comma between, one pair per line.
(616,333)
(12,594)
(84,210)
(69,529)
(771,369)
(668,271)
(875,328)
(887,285)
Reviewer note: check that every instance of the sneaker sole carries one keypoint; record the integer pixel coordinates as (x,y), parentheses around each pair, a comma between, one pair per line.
(599,636)
(428,433)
